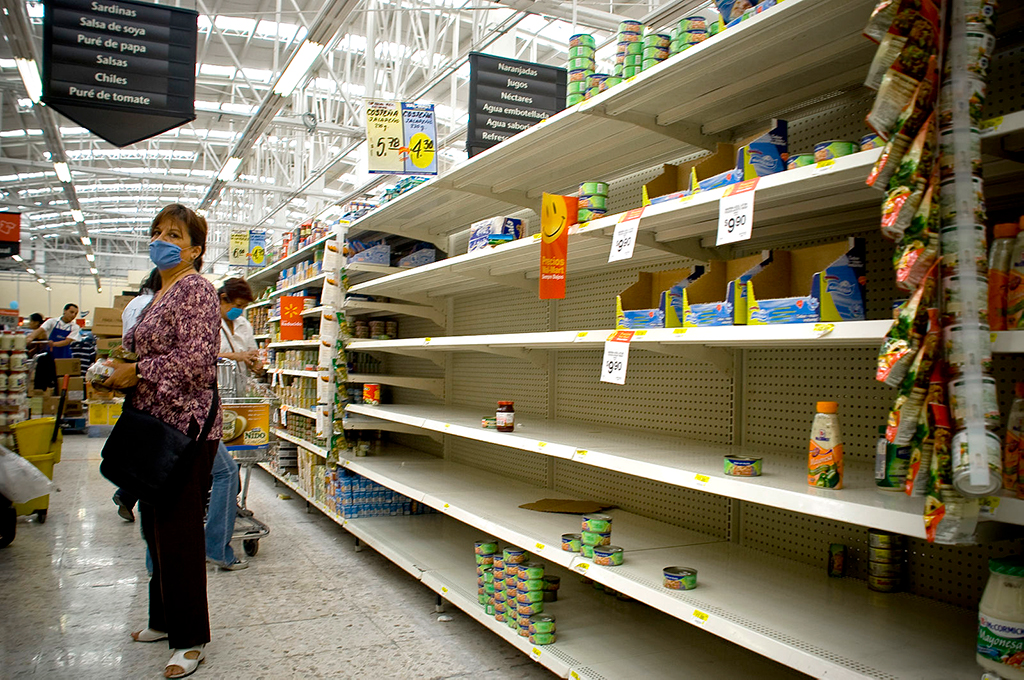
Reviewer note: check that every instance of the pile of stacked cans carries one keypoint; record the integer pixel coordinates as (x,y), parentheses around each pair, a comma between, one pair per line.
(655,49)
(581,67)
(689,32)
(593,201)
(629,54)
(514,590)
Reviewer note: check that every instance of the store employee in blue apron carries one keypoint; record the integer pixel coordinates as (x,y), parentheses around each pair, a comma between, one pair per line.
(60,332)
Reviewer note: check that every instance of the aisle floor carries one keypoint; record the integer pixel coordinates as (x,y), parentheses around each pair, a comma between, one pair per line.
(308,606)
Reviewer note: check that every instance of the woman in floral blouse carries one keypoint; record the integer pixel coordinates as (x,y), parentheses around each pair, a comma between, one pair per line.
(175,380)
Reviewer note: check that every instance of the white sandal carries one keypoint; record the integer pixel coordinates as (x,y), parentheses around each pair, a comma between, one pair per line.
(149,635)
(187,665)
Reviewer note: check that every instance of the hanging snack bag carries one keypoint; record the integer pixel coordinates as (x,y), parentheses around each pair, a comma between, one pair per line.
(906,410)
(940,472)
(881,19)
(909,122)
(908,184)
(904,337)
(919,247)
(903,51)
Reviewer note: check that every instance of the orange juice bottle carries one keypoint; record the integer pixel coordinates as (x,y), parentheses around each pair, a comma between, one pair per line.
(825,454)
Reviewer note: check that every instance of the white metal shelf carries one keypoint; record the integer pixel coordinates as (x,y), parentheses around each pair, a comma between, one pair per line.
(438,550)
(662,114)
(318,450)
(294,344)
(747,597)
(261,336)
(296,409)
(365,271)
(300,255)
(313,311)
(371,308)
(691,464)
(312,282)
(289,371)
(433,385)
(356,422)
(261,303)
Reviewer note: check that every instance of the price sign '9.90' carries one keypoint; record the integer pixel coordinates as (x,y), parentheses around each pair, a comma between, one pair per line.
(736,213)
(616,357)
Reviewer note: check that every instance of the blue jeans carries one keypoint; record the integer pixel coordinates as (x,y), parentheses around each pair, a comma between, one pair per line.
(220,518)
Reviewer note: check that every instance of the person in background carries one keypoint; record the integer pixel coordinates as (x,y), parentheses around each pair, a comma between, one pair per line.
(33,324)
(60,332)
(130,316)
(175,380)
(238,344)
(35,321)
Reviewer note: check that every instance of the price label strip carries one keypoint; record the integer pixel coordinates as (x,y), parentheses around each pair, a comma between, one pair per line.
(624,237)
(698,617)
(616,357)
(736,213)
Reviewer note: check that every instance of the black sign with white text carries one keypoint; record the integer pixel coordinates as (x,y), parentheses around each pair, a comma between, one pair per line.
(123,69)
(507,96)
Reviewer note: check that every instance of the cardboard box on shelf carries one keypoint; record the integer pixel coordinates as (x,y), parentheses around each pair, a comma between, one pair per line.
(645,303)
(68,366)
(49,406)
(76,389)
(819,283)
(106,321)
(74,409)
(105,344)
(480,231)
(121,301)
(719,298)
(104,413)
(93,393)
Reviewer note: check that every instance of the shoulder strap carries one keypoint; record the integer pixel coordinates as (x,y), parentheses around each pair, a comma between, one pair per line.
(208,425)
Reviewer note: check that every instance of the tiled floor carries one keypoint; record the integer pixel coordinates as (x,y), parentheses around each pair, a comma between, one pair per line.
(309,606)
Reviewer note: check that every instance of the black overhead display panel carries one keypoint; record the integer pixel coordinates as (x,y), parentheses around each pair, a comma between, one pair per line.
(507,96)
(124,70)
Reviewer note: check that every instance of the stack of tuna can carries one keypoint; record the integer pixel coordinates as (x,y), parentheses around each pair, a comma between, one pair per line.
(520,590)
(656,49)
(630,53)
(593,201)
(596,539)
(485,551)
(885,561)
(688,32)
(581,67)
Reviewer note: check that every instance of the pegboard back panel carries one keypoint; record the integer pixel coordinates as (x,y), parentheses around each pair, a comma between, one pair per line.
(411,367)
(840,117)
(481,380)
(662,394)
(626,192)
(500,310)
(1005,75)
(693,510)
(504,462)
(417,327)
(953,574)
(419,442)
(782,386)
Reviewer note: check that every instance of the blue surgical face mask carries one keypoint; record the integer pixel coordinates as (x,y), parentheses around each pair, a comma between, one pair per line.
(164,255)
(233,313)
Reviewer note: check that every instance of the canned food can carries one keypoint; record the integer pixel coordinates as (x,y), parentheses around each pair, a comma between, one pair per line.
(692,36)
(628,47)
(955,358)
(679,578)
(885,569)
(576,87)
(591,93)
(742,466)
(371,394)
(979,45)
(581,51)
(540,623)
(485,559)
(949,239)
(483,598)
(947,201)
(694,23)
(677,46)
(514,556)
(530,596)
(531,570)
(612,81)
(529,608)
(500,606)
(552,583)
(391,328)
(588,214)
(596,537)
(581,64)
(630,36)
(523,632)
(587,551)
(657,40)
(608,555)
(961,465)
(630,26)
(633,60)
(947,156)
(871,141)
(486,546)
(953,308)
(571,542)
(580,75)
(530,585)
(834,148)
(836,559)
(499,616)
(989,403)
(884,585)
(512,570)
(510,582)
(573,99)
(650,63)
(582,40)
(800,160)
(499,561)
(489,609)
(595,79)
(630,71)
(889,555)
(659,53)
(593,189)
(884,539)
(599,523)
(543,638)
(499,594)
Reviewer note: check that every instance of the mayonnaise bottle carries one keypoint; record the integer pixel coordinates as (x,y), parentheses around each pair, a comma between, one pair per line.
(1001,619)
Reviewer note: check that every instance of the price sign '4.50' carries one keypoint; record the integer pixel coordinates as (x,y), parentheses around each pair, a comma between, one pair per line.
(736,213)
(616,357)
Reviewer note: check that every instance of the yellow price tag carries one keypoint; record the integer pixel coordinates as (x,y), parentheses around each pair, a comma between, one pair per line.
(702,480)
(679,331)
(535,653)
(539,546)
(444,589)
(992,123)
(823,166)
(582,334)
(574,675)
(823,329)
(988,505)
(582,566)
(581,452)
(699,617)
(992,336)
(421,150)
(541,445)
(426,340)
(536,237)
(445,506)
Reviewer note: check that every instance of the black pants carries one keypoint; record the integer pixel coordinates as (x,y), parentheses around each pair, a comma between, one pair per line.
(177,544)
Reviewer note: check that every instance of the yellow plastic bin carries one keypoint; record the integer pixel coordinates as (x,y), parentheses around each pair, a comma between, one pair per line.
(34,445)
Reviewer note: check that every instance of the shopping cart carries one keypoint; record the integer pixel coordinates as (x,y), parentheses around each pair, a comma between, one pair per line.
(249,410)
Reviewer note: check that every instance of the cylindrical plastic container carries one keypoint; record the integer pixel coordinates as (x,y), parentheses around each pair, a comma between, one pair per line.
(825,453)
(1015,285)
(1001,618)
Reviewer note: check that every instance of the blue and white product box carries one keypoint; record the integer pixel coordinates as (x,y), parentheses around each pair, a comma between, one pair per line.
(480,231)
(418,258)
(378,254)
(767,154)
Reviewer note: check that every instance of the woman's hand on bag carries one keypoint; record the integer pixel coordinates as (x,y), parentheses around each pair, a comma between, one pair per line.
(124,377)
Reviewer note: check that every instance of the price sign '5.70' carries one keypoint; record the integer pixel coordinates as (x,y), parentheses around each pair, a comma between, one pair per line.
(402,138)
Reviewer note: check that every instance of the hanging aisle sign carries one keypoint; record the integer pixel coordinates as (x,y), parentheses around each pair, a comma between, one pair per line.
(402,138)
(238,248)
(507,96)
(10,234)
(257,248)
(122,69)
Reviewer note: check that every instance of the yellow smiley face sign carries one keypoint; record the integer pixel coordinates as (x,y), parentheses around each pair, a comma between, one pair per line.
(554,219)
(557,213)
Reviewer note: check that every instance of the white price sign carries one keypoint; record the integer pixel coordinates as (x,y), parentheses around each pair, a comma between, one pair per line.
(616,356)
(736,213)
(624,237)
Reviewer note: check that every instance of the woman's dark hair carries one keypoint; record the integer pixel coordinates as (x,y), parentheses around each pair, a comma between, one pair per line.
(37,317)
(237,289)
(153,282)
(192,221)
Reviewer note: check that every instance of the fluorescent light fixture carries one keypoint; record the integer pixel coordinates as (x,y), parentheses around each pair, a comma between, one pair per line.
(90,257)
(63,172)
(16,258)
(30,270)
(77,215)
(99,289)
(298,67)
(230,169)
(30,76)
(41,280)
(93,270)
(48,288)
(86,241)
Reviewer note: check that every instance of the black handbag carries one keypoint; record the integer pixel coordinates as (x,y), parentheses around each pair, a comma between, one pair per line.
(149,458)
